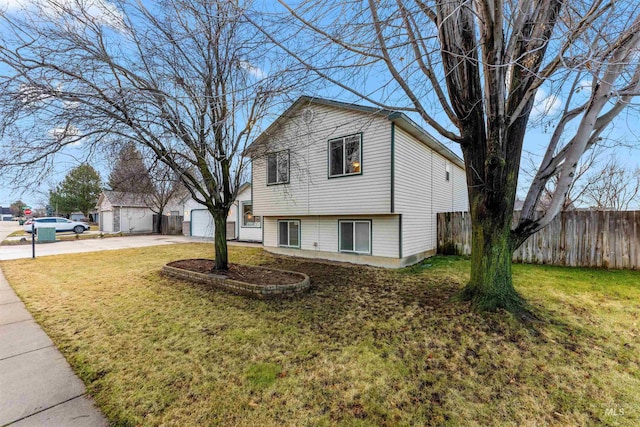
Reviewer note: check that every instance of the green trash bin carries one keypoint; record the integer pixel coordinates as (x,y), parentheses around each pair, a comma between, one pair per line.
(21,222)
(46,234)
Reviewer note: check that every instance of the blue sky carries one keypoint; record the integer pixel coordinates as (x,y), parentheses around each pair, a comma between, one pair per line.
(625,129)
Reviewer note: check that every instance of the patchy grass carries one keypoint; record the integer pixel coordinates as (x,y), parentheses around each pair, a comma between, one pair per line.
(365,346)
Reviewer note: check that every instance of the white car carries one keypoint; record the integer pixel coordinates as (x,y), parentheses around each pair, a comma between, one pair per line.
(61,224)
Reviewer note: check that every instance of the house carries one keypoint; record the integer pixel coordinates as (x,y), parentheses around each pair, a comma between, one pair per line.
(120,212)
(242,225)
(5,214)
(345,182)
(79,216)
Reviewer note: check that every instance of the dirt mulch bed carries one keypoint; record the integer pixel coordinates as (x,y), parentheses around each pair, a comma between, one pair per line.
(242,273)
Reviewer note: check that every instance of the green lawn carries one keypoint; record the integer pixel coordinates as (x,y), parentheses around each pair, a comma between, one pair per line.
(365,346)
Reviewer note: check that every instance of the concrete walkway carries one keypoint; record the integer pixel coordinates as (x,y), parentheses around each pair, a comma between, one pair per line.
(90,245)
(37,385)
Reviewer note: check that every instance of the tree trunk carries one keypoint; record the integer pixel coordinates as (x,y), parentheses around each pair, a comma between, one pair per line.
(157,226)
(220,240)
(491,284)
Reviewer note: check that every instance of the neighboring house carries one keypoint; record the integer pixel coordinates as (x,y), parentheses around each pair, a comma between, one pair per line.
(5,214)
(120,212)
(350,183)
(241,223)
(79,216)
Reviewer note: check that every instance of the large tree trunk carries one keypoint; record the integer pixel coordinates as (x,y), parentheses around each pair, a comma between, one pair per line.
(491,286)
(220,240)
(491,201)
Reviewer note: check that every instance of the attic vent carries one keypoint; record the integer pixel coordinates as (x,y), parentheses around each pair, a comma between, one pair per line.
(307,115)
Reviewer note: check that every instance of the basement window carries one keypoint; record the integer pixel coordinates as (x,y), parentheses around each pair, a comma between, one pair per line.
(355,236)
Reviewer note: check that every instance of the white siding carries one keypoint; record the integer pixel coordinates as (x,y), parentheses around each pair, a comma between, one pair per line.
(136,220)
(460,194)
(421,191)
(412,193)
(253,234)
(201,223)
(310,191)
(320,233)
(106,221)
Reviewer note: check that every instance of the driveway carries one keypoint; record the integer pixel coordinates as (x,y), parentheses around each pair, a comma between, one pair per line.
(84,245)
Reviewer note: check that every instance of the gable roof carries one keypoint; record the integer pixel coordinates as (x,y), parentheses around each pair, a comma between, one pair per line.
(400,119)
(242,187)
(119,198)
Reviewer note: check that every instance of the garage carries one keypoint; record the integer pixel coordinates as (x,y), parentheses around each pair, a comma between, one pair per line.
(202,225)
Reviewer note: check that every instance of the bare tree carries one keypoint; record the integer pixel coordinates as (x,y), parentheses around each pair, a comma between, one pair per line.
(154,181)
(575,194)
(471,70)
(166,188)
(612,187)
(185,79)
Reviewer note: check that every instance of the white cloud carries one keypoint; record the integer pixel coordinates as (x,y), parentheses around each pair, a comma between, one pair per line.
(584,86)
(254,71)
(65,132)
(98,10)
(545,105)
(11,5)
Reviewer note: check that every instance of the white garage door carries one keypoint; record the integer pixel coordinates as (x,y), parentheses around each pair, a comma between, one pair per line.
(202,223)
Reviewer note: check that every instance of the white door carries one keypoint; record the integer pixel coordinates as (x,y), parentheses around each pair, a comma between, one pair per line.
(202,223)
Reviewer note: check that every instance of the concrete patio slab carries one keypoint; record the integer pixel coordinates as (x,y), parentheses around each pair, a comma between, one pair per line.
(22,337)
(13,312)
(45,371)
(78,412)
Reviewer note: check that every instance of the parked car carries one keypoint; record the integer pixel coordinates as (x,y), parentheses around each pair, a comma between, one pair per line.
(61,224)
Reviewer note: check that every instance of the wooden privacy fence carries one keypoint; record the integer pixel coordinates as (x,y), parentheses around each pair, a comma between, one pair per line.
(608,239)
(171,224)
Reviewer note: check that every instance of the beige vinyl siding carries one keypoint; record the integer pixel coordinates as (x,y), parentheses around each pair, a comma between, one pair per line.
(460,194)
(310,191)
(413,190)
(320,233)
(421,191)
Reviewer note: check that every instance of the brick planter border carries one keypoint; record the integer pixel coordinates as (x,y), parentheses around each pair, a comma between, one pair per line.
(242,288)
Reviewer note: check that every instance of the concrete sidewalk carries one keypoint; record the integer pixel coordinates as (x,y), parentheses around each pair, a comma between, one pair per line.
(37,385)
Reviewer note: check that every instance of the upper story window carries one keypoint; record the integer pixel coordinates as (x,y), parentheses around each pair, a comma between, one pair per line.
(345,156)
(278,168)
(248,218)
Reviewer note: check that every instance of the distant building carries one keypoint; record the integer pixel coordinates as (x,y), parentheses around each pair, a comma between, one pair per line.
(5,214)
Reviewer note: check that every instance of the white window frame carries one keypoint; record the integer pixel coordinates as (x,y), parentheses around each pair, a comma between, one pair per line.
(290,221)
(447,172)
(354,221)
(278,157)
(243,224)
(344,155)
